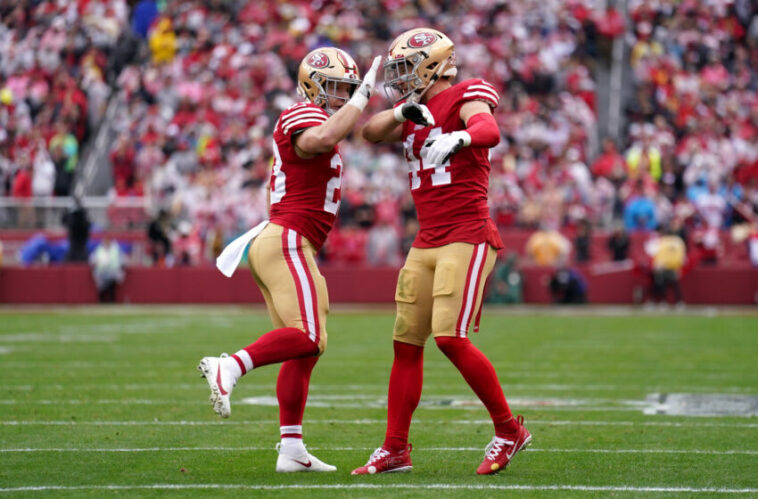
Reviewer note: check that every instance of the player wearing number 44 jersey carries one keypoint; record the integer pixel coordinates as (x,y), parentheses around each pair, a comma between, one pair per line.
(446,130)
(304,198)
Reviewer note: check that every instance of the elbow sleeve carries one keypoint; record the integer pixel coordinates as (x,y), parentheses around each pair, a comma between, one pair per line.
(483,130)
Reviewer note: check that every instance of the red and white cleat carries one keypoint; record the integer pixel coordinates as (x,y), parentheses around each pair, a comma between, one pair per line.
(220,382)
(385,461)
(500,451)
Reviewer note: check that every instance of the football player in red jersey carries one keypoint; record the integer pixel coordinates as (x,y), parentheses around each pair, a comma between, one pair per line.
(446,130)
(304,198)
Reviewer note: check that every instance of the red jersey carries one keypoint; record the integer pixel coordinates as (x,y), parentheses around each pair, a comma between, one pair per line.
(451,198)
(305,193)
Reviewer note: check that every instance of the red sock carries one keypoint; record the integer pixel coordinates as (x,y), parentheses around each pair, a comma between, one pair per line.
(478,372)
(277,346)
(292,390)
(406,379)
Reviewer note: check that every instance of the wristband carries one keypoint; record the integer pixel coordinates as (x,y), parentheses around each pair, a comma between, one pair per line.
(358,100)
(398,112)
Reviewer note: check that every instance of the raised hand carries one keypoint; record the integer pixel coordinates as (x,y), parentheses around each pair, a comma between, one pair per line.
(364,92)
(369,80)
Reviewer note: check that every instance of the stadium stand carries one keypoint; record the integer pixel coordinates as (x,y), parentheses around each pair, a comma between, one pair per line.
(195,134)
(195,112)
(53,76)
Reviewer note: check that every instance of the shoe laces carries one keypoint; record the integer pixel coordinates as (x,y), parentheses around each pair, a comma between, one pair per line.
(495,447)
(378,454)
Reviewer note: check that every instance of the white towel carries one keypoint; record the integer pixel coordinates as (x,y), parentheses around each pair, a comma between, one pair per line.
(229,259)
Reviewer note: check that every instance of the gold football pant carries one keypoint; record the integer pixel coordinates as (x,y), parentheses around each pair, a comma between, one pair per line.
(439,291)
(283,264)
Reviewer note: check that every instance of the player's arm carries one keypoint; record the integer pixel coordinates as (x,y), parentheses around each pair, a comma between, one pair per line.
(322,138)
(386,126)
(481,131)
(382,127)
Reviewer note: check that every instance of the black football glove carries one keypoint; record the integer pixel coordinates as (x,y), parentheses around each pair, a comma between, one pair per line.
(417,113)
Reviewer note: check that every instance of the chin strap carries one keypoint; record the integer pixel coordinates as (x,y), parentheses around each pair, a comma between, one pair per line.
(416,96)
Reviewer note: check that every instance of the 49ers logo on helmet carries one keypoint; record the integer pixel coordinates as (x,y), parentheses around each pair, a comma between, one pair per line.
(422,39)
(318,60)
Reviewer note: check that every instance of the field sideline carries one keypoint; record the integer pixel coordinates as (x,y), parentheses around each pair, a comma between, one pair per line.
(107,400)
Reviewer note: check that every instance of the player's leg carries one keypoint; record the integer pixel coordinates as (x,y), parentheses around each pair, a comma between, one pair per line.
(458,294)
(271,262)
(283,263)
(294,375)
(412,328)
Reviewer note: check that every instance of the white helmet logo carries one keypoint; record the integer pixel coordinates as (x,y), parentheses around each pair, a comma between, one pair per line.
(422,39)
(318,60)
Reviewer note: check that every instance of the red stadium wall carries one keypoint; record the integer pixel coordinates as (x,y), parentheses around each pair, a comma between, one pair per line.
(72,284)
(514,238)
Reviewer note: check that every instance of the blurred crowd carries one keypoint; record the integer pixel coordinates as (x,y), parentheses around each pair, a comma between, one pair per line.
(692,156)
(200,103)
(54,63)
(196,135)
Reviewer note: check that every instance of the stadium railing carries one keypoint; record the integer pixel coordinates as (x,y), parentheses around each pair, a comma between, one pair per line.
(47,212)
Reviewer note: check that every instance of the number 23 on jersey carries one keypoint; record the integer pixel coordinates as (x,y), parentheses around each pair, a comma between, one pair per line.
(332,191)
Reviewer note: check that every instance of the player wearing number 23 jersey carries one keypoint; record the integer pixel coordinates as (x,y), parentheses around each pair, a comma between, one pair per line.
(304,198)
(447,130)
(305,192)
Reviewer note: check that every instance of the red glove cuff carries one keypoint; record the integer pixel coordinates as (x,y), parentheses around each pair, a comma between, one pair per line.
(483,130)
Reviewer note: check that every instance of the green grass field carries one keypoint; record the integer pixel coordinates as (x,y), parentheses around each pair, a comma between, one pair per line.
(108,401)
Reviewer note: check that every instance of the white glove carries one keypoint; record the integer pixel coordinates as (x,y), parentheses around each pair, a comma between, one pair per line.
(363,93)
(443,146)
(417,113)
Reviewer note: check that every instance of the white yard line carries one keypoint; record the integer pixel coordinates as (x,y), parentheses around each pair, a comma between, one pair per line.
(84,364)
(380,390)
(525,369)
(417,449)
(362,401)
(374,486)
(54,338)
(535,422)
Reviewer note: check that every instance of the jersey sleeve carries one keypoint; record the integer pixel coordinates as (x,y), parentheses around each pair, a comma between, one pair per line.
(301,116)
(482,91)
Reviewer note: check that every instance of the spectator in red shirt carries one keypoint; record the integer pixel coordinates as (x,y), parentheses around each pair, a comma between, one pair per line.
(610,164)
(122,160)
(22,183)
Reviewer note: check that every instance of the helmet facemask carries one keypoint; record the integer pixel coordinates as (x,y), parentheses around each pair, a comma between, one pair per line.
(327,90)
(401,79)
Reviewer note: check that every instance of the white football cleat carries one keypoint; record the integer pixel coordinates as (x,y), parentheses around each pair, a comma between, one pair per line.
(290,462)
(220,383)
